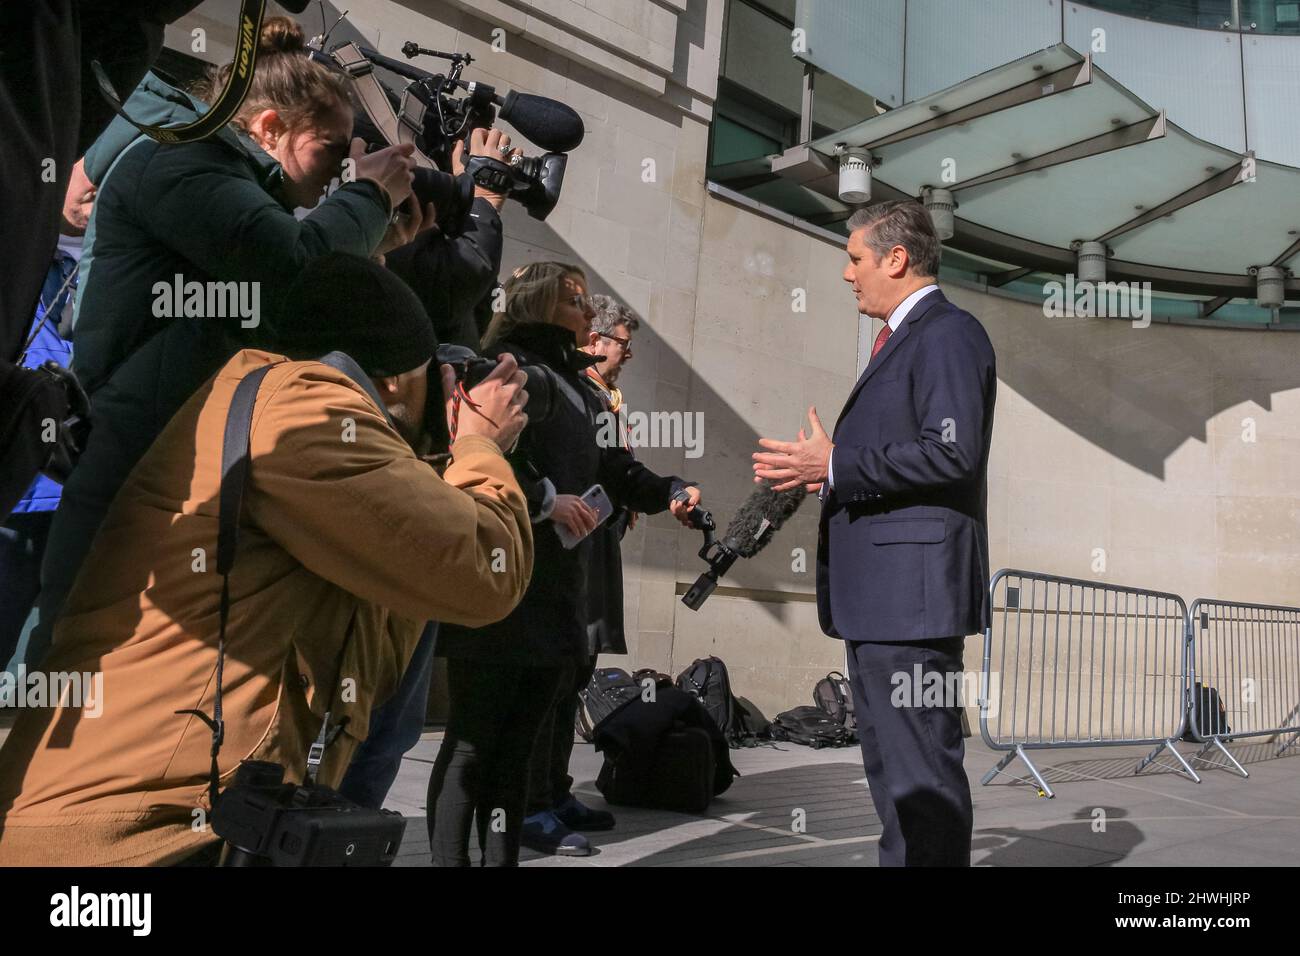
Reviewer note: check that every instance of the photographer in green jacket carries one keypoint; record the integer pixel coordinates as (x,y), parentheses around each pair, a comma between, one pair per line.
(189,254)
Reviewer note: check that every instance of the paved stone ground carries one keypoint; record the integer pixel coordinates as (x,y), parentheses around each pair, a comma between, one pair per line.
(1160,818)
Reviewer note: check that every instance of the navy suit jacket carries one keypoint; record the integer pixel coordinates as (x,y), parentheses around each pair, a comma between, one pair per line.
(902,543)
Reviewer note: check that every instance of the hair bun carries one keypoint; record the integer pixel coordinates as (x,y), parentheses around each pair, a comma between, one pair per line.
(281,35)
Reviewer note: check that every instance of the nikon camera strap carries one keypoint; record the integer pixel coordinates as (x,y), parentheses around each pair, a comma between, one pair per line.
(235,456)
(227,102)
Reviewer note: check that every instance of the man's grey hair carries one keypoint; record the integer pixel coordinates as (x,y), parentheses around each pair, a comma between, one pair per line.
(610,314)
(900,222)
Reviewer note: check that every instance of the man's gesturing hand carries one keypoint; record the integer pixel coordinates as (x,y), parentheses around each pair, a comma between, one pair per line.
(788,464)
(500,399)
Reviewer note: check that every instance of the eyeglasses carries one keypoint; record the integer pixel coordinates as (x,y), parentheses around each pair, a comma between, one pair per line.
(625,343)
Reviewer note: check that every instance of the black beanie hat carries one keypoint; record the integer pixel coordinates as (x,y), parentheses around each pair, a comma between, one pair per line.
(346,303)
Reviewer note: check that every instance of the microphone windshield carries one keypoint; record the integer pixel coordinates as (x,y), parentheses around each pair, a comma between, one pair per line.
(761,516)
(550,124)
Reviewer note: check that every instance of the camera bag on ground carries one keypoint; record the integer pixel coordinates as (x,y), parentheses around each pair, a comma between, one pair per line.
(708,681)
(834,695)
(608,690)
(680,775)
(812,727)
(1211,714)
(665,754)
(264,821)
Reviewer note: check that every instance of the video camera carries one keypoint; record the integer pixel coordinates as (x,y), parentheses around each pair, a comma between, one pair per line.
(436,116)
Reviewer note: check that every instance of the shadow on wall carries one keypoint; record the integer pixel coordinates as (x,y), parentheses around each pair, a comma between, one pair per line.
(1136,393)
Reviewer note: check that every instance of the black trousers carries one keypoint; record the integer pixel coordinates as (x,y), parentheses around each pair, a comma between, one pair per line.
(912,749)
(496,713)
(549,780)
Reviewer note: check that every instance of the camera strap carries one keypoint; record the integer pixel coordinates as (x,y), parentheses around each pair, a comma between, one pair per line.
(396,128)
(235,460)
(228,101)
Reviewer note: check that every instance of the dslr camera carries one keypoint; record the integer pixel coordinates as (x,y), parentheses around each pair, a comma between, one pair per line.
(471,368)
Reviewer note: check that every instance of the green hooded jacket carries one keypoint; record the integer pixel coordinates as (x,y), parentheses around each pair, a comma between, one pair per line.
(205,212)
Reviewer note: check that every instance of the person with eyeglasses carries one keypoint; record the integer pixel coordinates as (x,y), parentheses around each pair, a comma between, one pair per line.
(513,685)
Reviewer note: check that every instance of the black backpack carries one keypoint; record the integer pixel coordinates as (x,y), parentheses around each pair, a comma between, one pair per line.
(707,681)
(812,727)
(658,678)
(833,694)
(754,727)
(609,689)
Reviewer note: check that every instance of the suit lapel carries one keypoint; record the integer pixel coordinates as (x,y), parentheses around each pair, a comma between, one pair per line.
(891,344)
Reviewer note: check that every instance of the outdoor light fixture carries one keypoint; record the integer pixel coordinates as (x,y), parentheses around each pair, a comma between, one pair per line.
(855,174)
(1270,286)
(940,204)
(1091,261)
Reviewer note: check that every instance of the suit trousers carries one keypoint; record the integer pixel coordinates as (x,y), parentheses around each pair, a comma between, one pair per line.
(912,748)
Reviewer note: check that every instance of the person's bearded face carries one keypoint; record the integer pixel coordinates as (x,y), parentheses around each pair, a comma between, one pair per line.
(405,396)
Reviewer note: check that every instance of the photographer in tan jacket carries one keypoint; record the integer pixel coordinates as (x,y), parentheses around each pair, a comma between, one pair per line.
(348,543)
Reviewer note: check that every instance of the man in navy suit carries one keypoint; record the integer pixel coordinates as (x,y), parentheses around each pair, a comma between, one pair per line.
(902,545)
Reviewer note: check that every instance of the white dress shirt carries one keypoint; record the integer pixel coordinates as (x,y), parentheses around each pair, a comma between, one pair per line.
(896,318)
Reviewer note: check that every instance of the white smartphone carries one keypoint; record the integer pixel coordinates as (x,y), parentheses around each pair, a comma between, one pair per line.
(594,498)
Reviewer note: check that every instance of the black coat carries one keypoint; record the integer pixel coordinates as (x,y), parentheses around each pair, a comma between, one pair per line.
(551,623)
(451,274)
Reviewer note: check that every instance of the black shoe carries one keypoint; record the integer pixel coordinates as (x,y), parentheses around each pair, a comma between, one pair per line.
(576,816)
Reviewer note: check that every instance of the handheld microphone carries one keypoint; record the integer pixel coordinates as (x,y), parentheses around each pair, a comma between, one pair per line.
(761,516)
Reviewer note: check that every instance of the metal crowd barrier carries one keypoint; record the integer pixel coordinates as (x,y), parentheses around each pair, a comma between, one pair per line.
(1244,678)
(1072,663)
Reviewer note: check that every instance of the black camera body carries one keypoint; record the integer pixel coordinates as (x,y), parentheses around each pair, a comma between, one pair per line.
(471,368)
(267,822)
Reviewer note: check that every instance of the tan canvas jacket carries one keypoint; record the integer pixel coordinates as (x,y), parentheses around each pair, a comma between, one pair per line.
(344,531)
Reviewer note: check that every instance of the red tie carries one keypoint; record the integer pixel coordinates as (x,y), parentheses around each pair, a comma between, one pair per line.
(880,341)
